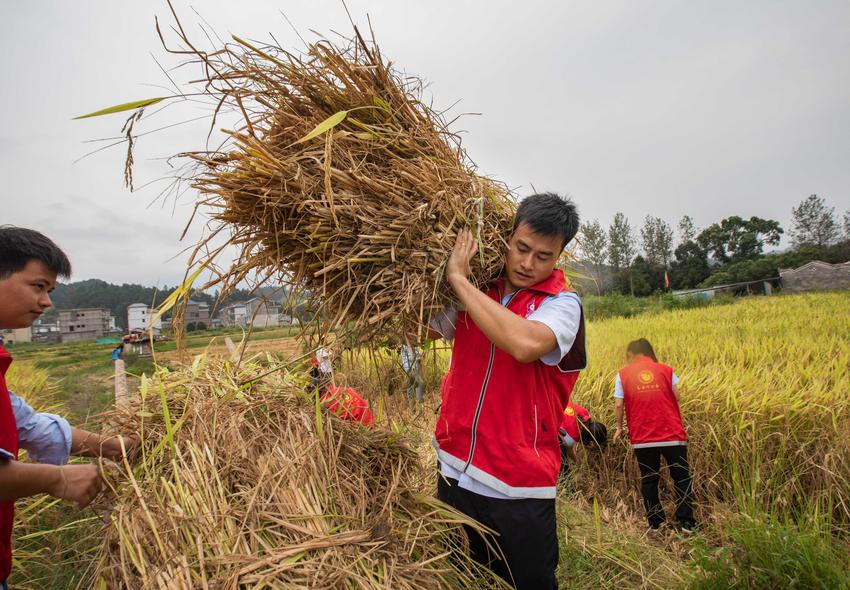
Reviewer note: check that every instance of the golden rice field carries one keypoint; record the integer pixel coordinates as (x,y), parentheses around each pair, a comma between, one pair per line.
(765,389)
(765,396)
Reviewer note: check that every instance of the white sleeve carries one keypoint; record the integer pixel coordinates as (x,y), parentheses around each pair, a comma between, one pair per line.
(562,315)
(675,379)
(618,388)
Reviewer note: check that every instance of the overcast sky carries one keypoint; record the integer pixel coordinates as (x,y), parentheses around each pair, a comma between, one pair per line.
(668,108)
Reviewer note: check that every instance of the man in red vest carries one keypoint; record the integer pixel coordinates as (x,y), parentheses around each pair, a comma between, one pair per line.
(348,404)
(646,390)
(29,265)
(577,426)
(518,349)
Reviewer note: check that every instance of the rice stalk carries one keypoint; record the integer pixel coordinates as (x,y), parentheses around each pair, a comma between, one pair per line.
(253,492)
(338,179)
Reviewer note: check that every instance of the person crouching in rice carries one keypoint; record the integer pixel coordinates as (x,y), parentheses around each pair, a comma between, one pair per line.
(518,349)
(348,404)
(345,402)
(577,426)
(646,391)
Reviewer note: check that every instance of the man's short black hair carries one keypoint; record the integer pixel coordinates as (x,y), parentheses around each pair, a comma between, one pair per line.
(642,346)
(594,434)
(19,245)
(549,214)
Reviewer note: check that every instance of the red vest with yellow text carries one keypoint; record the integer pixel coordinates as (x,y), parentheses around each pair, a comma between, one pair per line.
(652,412)
(572,414)
(346,403)
(499,418)
(8,442)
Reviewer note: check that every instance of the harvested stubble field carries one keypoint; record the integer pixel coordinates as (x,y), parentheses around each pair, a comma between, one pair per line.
(765,398)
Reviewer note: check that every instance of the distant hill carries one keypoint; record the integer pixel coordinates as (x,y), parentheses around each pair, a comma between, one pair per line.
(116,298)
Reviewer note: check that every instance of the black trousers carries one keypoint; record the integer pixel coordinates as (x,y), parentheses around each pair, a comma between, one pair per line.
(649,462)
(565,462)
(527,535)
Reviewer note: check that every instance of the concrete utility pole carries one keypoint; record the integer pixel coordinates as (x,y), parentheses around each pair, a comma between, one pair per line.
(121,395)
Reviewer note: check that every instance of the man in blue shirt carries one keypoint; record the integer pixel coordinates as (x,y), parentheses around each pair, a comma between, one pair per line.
(29,266)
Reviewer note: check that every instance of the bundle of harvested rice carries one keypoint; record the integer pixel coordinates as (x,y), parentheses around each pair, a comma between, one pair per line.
(339,180)
(244,483)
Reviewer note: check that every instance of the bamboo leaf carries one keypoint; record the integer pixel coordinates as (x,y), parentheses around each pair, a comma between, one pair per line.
(324,126)
(127,106)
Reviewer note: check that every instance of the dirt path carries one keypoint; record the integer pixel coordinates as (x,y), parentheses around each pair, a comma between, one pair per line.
(285,348)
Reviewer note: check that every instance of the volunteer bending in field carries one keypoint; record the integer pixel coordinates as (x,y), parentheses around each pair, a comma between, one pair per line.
(518,349)
(29,264)
(646,390)
(577,426)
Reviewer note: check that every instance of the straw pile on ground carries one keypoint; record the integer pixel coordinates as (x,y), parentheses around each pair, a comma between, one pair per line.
(340,180)
(243,483)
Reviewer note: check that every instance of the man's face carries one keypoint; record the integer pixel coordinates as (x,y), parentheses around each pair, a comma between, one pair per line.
(24,295)
(531,257)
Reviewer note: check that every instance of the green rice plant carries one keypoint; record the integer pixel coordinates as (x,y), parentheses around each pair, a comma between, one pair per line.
(765,552)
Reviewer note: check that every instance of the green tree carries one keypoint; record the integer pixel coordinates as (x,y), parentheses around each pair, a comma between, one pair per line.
(847,225)
(813,223)
(621,242)
(594,248)
(690,267)
(645,277)
(656,237)
(687,230)
(735,238)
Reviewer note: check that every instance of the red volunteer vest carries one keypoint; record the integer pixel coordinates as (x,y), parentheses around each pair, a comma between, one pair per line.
(569,423)
(652,412)
(346,403)
(8,442)
(499,418)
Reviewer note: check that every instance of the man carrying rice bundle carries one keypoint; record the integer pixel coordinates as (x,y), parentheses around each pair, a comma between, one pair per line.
(518,349)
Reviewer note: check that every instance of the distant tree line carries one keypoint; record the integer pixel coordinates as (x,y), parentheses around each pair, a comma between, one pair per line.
(624,259)
(619,258)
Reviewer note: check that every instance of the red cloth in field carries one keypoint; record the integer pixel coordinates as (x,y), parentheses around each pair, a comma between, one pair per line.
(652,411)
(499,417)
(346,403)
(572,414)
(8,442)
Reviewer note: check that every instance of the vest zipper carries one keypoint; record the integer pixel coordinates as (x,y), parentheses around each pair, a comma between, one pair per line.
(483,391)
(535,430)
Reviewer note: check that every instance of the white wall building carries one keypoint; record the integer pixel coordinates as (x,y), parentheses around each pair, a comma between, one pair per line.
(16,335)
(262,313)
(234,314)
(139,317)
(259,312)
